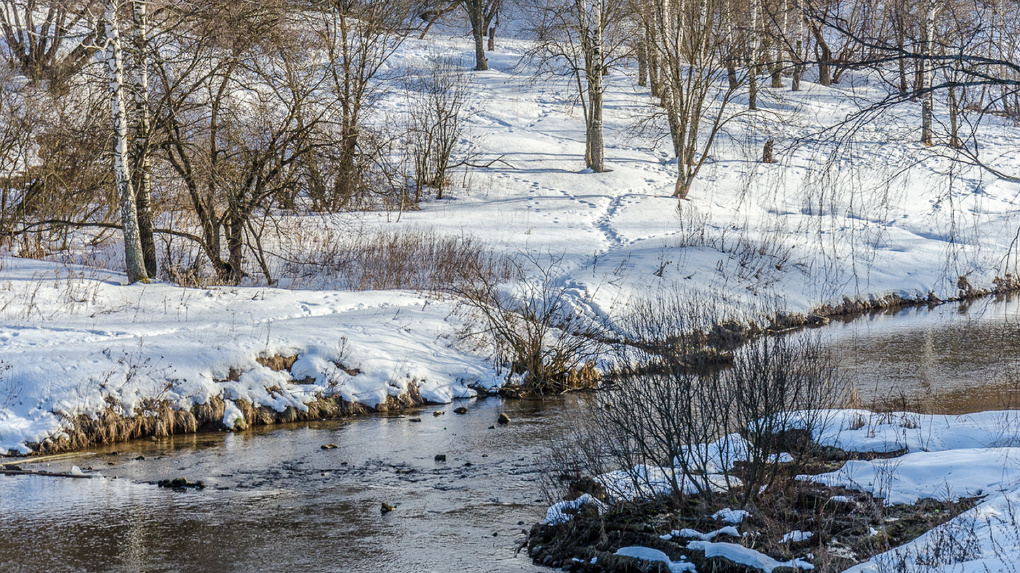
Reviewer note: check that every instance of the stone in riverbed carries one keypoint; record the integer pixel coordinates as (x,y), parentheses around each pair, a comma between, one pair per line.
(440,457)
(328,446)
(503,418)
(460,410)
(386,508)
(180,484)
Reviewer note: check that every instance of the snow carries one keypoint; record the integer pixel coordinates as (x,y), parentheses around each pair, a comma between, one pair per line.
(650,481)
(982,539)
(649,554)
(728,515)
(564,511)
(939,475)
(695,534)
(796,536)
(891,217)
(946,457)
(75,340)
(933,456)
(746,556)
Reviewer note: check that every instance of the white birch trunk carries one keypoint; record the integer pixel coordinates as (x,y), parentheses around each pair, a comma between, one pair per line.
(133,258)
(927,71)
(141,163)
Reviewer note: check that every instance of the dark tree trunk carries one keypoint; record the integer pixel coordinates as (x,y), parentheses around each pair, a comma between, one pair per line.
(767,152)
(476,13)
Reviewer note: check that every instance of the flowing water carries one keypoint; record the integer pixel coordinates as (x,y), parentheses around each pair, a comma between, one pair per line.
(275,500)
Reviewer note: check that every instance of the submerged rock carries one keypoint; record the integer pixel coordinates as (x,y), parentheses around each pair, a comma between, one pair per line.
(181,484)
(328,446)
(503,418)
(440,457)
(460,410)
(386,508)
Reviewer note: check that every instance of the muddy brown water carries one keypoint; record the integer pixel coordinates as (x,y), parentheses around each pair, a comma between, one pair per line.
(276,501)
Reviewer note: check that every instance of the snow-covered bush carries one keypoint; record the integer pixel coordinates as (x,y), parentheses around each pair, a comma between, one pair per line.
(541,340)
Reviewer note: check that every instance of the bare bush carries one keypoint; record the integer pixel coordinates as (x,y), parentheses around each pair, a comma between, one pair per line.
(686,427)
(435,123)
(543,341)
(414,259)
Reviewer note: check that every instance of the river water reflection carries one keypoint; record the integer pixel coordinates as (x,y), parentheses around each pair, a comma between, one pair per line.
(276,501)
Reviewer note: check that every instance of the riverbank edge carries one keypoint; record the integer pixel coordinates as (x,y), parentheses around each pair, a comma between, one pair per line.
(161,419)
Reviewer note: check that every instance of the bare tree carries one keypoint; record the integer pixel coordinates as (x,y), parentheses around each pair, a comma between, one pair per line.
(583,38)
(141,127)
(236,117)
(134,259)
(358,38)
(967,51)
(49,41)
(692,48)
(435,124)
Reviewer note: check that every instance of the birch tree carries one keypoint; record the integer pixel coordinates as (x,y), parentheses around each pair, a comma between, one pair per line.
(926,68)
(582,39)
(134,260)
(141,130)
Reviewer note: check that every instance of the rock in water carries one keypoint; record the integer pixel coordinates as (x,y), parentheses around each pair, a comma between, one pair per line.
(438,413)
(503,418)
(180,484)
(386,508)
(460,410)
(440,457)
(328,446)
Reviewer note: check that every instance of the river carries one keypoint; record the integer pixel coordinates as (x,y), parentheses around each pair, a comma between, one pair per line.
(275,500)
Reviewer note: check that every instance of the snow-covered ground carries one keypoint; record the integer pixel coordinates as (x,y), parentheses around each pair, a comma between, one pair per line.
(76,340)
(881,216)
(948,457)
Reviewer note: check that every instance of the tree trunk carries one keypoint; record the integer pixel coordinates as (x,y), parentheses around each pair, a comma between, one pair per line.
(682,187)
(476,13)
(141,165)
(642,59)
(824,65)
(594,64)
(926,72)
(134,260)
(954,119)
(798,68)
(492,38)
(752,74)
(653,61)
(767,155)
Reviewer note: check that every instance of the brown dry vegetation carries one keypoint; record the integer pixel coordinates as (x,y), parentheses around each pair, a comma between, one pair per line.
(160,418)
